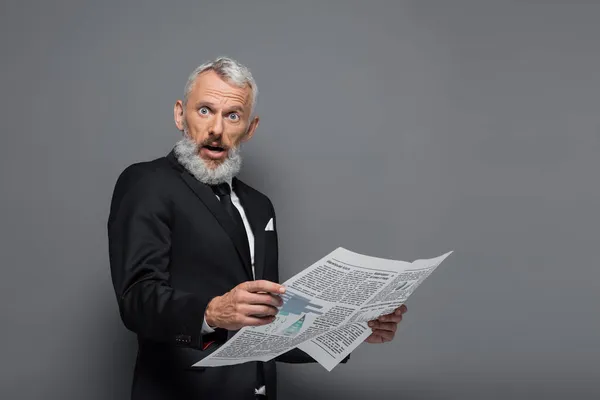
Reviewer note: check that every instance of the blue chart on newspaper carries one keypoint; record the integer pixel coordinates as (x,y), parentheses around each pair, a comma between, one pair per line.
(294,315)
(326,308)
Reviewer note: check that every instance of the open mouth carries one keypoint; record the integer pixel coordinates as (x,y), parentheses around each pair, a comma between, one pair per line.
(214,152)
(214,148)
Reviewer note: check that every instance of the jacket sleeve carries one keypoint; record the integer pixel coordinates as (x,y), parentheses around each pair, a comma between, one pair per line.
(139,236)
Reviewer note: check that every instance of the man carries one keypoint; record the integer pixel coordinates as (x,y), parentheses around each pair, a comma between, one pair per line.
(190,257)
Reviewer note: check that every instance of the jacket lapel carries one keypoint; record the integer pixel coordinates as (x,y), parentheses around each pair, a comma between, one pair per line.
(206,195)
(254,213)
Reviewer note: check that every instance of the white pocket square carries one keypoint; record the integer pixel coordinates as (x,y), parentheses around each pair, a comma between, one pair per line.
(269,226)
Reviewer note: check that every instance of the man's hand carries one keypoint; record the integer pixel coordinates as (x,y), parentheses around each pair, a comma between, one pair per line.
(250,303)
(384,327)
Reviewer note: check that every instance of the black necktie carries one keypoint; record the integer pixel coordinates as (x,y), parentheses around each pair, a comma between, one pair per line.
(224,192)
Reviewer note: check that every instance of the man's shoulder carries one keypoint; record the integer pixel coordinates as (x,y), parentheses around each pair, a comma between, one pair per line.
(155,170)
(145,178)
(143,182)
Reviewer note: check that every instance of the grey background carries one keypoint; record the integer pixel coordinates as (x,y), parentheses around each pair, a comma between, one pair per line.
(396,129)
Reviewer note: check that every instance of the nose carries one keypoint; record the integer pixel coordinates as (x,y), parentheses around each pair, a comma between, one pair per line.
(216,128)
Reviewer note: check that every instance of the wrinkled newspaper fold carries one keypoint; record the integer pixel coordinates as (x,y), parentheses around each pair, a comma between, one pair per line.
(326,309)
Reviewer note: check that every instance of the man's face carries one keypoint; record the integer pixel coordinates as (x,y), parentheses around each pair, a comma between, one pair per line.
(216,117)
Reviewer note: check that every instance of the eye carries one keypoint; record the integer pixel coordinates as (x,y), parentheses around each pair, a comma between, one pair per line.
(203,111)
(234,116)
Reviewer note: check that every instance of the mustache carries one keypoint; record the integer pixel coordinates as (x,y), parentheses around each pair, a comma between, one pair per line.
(213,143)
(210,141)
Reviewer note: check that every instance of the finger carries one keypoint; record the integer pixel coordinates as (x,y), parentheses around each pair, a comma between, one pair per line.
(373,338)
(263,286)
(401,310)
(258,310)
(386,336)
(263,298)
(257,321)
(384,326)
(390,318)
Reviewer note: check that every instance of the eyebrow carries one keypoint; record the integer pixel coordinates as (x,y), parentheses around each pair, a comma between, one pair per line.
(212,105)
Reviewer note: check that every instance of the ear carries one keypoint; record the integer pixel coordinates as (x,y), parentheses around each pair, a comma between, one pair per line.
(178,115)
(251,129)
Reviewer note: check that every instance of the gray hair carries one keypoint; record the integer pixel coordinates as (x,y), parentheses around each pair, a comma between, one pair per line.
(230,70)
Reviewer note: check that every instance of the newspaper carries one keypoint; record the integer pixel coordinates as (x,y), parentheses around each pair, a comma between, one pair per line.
(326,308)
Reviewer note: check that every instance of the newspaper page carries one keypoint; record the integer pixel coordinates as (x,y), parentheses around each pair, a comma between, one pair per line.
(401,280)
(326,308)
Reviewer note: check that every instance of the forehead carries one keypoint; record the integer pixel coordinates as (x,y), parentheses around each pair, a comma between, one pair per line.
(209,86)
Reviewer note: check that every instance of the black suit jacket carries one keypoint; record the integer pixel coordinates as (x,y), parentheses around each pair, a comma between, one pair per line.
(172,249)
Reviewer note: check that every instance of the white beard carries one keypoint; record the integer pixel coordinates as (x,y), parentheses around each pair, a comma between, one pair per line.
(187,153)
